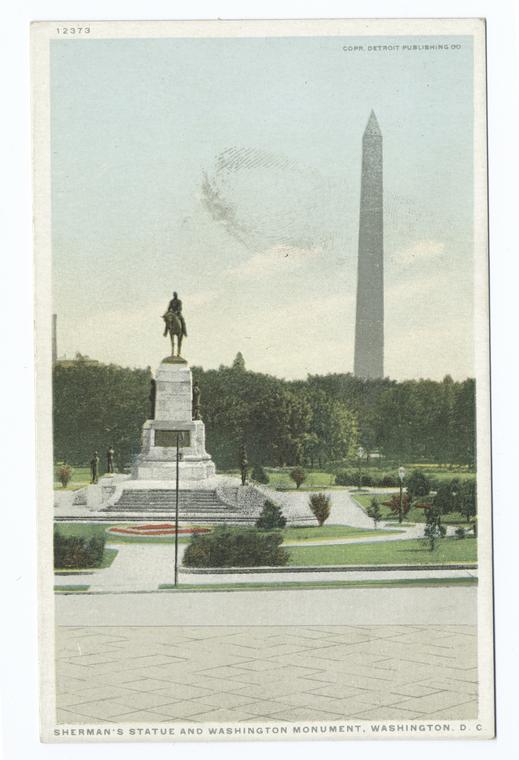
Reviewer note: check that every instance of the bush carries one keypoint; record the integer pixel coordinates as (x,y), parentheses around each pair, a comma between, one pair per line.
(259,474)
(77,551)
(298,475)
(394,505)
(320,505)
(467,499)
(417,484)
(345,478)
(64,474)
(433,530)
(366,480)
(388,481)
(271,517)
(235,547)
(459,532)
(373,511)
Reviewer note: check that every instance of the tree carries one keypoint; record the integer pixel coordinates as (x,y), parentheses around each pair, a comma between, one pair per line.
(271,517)
(417,484)
(373,511)
(444,499)
(433,530)
(394,505)
(298,475)
(64,474)
(239,362)
(468,499)
(259,474)
(320,504)
(95,405)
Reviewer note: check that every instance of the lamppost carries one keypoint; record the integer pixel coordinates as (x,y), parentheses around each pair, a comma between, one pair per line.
(360,454)
(401,475)
(179,457)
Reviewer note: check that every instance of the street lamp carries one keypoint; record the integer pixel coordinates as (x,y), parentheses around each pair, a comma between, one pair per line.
(179,457)
(401,475)
(360,454)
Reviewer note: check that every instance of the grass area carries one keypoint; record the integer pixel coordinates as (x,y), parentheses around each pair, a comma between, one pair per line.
(310,533)
(408,552)
(80,478)
(296,585)
(70,589)
(413,516)
(87,530)
(330,532)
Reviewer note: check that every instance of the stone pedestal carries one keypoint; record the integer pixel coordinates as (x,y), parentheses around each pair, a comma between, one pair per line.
(173,421)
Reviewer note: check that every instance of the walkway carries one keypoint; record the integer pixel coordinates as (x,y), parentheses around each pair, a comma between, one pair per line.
(144,567)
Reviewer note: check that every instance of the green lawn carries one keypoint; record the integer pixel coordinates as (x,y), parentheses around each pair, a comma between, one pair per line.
(410,552)
(330,532)
(80,478)
(279,477)
(291,585)
(413,516)
(88,530)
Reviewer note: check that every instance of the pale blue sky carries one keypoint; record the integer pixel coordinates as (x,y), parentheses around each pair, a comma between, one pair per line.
(229,170)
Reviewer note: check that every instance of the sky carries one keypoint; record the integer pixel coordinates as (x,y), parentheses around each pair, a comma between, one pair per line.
(229,170)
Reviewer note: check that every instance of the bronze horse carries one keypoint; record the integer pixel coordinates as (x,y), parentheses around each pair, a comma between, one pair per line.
(174,327)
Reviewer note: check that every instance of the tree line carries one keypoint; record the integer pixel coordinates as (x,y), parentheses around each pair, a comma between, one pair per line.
(312,422)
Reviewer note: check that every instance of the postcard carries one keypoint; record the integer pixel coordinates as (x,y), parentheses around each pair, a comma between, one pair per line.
(262,366)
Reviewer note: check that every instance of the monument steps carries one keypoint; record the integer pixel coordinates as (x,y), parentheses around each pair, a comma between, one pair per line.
(194,505)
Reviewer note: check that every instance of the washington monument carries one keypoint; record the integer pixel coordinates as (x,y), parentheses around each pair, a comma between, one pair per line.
(369,325)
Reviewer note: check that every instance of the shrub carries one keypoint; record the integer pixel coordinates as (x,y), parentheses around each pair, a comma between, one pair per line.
(366,480)
(259,474)
(467,499)
(388,481)
(320,505)
(235,547)
(417,484)
(373,511)
(298,475)
(345,478)
(394,505)
(433,530)
(271,517)
(78,551)
(459,532)
(64,474)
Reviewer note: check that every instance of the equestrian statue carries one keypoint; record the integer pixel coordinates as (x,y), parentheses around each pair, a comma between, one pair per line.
(175,323)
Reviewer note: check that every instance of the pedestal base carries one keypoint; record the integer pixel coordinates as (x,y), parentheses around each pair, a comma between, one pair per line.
(159,452)
(195,470)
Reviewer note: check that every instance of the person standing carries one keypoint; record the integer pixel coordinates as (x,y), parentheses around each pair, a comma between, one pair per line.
(110,460)
(94,468)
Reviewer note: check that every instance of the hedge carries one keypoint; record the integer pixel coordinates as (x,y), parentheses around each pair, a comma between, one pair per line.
(235,547)
(77,551)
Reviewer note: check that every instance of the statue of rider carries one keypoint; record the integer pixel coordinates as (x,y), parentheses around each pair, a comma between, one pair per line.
(175,305)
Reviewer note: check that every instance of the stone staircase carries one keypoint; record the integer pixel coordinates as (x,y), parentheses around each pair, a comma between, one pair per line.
(195,506)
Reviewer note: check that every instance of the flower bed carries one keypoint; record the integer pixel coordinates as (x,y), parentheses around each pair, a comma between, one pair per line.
(154,529)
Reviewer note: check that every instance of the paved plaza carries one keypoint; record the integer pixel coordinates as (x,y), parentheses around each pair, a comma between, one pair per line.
(393,653)
(204,674)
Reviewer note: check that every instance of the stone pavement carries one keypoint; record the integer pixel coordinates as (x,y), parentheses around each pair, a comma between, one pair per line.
(272,673)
